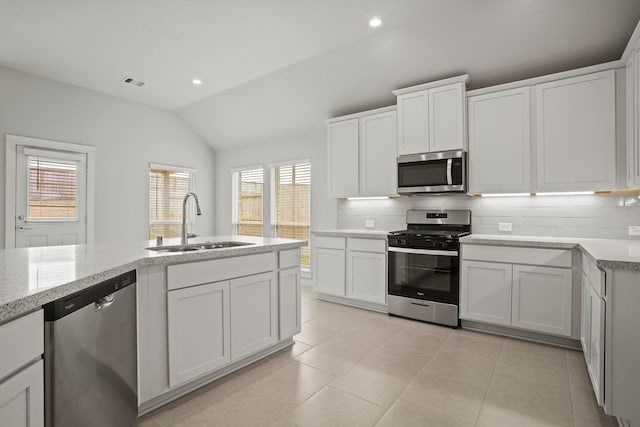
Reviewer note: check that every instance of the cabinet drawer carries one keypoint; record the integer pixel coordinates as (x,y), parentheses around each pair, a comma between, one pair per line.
(197,273)
(531,256)
(329,242)
(21,341)
(289,258)
(367,245)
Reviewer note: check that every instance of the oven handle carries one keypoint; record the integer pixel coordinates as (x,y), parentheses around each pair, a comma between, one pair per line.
(449,175)
(423,251)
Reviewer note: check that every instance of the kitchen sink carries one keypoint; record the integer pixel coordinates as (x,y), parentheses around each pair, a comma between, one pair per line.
(197,246)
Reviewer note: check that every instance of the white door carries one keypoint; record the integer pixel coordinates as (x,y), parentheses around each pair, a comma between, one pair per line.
(50,197)
(22,398)
(254,314)
(413,123)
(289,302)
(378,137)
(576,133)
(343,158)
(446,121)
(329,271)
(595,367)
(198,324)
(542,299)
(499,142)
(366,276)
(485,292)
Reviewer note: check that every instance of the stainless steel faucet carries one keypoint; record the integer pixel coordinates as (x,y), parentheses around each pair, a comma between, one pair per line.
(184,240)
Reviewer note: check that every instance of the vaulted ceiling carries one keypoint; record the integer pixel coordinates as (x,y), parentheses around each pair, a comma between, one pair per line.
(272,68)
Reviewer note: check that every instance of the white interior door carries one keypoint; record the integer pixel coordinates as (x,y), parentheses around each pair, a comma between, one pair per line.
(50,197)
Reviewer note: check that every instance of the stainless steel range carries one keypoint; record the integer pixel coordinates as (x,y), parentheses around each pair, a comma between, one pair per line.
(424,266)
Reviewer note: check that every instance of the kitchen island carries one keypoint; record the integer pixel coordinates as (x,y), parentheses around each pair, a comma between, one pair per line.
(200,314)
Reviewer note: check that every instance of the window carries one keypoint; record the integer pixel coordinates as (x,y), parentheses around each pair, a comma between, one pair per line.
(284,203)
(248,189)
(167,187)
(52,189)
(291,195)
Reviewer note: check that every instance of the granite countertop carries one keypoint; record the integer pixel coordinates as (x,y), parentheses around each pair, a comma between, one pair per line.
(32,277)
(363,234)
(618,254)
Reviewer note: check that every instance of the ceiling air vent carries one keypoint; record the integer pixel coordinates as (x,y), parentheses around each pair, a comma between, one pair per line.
(134,82)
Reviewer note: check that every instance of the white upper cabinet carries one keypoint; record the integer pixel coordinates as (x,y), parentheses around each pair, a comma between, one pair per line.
(500,142)
(362,154)
(576,135)
(378,154)
(343,158)
(431,116)
(632,55)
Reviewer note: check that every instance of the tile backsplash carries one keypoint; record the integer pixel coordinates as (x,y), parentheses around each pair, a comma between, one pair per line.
(565,216)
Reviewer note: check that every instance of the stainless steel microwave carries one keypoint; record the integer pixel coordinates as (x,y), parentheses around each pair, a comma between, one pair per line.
(440,172)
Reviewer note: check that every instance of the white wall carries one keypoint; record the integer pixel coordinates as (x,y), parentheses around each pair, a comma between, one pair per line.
(567,216)
(127,136)
(311,146)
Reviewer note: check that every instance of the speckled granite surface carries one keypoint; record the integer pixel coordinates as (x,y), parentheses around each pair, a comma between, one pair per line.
(32,277)
(362,234)
(616,254)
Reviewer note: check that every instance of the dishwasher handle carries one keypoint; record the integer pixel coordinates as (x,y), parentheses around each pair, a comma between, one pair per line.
(105,301)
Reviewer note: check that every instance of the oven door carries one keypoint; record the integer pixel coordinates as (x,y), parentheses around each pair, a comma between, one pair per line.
(424,274)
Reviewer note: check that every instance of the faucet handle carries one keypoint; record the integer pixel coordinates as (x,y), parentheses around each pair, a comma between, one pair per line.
(190,235)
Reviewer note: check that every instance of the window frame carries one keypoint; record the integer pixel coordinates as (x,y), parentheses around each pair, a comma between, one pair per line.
(192,184)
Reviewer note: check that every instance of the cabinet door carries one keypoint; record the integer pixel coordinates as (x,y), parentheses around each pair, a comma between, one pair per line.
(585,318)
(378,138)
(198,322)
(446,117)
(254,314)
(343,158)
(596,345)
(22,398)
(500,142)
(329,271)
(632,122)
(485,292)
(367,276)
(542,299)
(289,302)
(576,135)
(413,133)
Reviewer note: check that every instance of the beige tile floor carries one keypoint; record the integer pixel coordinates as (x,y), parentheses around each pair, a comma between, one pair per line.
(352,367)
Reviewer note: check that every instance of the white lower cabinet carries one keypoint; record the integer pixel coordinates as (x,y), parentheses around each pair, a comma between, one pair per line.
(254,313)
(542,299)
(485,290)
(351,269)
(592,329)
(366,276)
(536,298)
(199,330)
(289,300)
(330,268)
(22,398)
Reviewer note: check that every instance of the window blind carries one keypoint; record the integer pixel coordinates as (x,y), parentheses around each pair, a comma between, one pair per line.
(293,200)
(249,199)
(53,192)
(167,189)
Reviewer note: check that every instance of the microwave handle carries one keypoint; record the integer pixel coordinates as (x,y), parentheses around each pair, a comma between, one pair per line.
(449,177)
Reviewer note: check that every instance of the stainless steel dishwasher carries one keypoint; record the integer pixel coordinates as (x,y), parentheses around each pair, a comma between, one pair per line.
(90,356)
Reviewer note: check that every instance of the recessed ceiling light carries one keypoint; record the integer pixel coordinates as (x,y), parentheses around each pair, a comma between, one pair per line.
(196,82)
(375,22)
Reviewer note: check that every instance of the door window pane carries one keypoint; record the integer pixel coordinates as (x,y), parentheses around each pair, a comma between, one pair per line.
(52,189)
(249,189)
(292,204)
